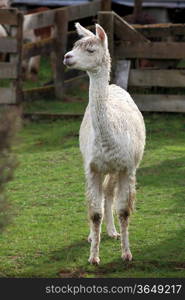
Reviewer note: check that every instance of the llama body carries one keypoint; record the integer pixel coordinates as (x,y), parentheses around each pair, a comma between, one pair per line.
(112,139)
(103,149)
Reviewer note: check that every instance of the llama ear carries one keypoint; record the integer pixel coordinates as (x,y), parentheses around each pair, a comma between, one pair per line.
(100,33)
(82,30)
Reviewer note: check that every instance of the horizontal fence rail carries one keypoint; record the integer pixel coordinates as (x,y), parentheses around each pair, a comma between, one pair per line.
(160,102)
(153,50)
(163,30)
(8,16)
(7,95)
(157,78)
(8,45)
(8,70)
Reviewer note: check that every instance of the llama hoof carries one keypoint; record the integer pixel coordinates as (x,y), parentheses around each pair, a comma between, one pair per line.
(94,261)
(127,256)
(113,234)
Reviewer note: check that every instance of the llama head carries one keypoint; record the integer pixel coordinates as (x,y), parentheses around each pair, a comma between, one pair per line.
(90,52)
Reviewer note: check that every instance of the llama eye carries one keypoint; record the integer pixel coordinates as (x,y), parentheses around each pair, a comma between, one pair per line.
(90,50)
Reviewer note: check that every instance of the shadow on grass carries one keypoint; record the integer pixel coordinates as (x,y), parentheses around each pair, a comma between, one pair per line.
(160,258)
(164,261)
(168,171)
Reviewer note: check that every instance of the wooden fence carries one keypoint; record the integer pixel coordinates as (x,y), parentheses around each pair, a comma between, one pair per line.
(160,86)
(57,45)
(11,46)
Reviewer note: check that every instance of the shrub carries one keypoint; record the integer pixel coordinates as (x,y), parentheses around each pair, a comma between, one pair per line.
(9,125)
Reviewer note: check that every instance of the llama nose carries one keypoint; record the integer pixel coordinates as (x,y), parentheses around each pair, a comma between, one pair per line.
(68,61)
(67,56)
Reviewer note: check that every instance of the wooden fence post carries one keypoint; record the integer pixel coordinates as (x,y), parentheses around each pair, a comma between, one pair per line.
(19,91)
(17,32)
(106,20)
(106,5)
(61,29)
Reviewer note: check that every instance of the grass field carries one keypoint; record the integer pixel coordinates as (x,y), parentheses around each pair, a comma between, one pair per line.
(47,236)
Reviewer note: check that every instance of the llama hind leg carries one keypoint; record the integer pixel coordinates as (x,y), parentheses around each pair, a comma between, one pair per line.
(125,199)
(95,203)
(109,191)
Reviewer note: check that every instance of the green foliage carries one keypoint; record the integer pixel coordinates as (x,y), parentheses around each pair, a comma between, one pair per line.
(48,235)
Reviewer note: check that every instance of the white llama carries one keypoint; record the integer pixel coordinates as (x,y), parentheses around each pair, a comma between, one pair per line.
(112,140)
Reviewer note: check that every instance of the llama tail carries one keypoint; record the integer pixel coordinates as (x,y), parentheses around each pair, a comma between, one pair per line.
(106,181)
(109,182)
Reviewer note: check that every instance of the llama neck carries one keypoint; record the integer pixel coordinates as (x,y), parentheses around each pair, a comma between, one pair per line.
(98,96)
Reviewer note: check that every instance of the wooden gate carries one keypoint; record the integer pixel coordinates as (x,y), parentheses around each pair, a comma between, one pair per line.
(149,61)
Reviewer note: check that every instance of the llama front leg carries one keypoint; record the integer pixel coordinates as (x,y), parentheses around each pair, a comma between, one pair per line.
(109,192)
(95,205)
(125,199)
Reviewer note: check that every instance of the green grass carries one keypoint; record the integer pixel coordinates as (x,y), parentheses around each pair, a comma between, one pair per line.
(55,106)
(44,75)
(49,227)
